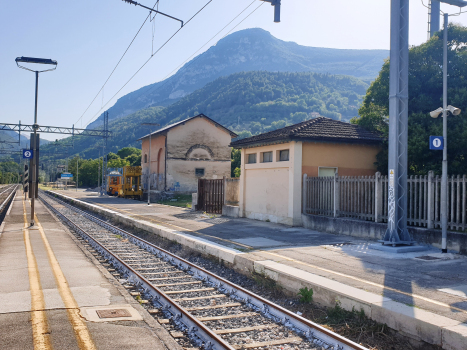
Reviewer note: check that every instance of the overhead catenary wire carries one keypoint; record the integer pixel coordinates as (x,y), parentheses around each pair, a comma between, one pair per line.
(147,61)
(120,60)
(180,65)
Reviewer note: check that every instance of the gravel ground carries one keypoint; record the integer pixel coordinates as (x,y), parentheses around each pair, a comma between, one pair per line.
(352,325)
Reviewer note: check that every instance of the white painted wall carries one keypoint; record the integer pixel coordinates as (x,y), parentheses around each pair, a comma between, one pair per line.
(272,191)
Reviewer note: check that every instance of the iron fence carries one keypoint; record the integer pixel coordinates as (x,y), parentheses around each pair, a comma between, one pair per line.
(366,198)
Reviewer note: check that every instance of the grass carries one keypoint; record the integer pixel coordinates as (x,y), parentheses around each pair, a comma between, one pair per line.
(182,201)
(306,295)
(47,188)
(266,282)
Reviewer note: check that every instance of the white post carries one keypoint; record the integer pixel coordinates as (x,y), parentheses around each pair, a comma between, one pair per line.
(378,197)
(304,194)
(336,194)
(430,201)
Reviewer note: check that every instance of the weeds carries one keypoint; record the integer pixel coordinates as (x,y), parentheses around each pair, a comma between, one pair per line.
(266,282)
(338,315)
(306,295)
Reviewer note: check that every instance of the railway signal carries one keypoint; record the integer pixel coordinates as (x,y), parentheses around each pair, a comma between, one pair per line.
(26,180)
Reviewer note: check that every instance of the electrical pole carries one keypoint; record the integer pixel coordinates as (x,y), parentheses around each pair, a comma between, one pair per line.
(396,233)
(149,168)
(435,9)
(77,174)
(98,169)
(444,175)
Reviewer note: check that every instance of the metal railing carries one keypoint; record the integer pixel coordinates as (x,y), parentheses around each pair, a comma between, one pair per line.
(366,198)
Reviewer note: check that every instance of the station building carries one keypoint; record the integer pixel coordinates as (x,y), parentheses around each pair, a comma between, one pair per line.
(183,152)
(273,164)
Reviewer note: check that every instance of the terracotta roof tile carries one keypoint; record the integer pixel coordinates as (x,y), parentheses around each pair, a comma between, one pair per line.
(318,129)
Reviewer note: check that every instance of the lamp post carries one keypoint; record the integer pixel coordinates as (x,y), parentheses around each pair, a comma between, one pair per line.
(149,169)
(435,114)
(444,177)
(35,125)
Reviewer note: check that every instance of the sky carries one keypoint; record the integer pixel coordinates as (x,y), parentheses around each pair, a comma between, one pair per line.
(87,38)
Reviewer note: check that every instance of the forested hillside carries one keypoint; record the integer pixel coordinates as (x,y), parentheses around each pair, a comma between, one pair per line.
(248,102)
(244,51)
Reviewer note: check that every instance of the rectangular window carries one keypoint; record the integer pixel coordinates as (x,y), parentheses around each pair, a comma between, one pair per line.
(284,155)
(326,172)
(267,157)
(199,171)
(251,158)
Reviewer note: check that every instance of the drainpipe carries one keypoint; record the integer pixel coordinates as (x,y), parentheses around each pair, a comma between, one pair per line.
(165,164)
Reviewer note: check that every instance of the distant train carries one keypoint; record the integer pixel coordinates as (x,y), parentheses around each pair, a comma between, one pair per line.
(125,182)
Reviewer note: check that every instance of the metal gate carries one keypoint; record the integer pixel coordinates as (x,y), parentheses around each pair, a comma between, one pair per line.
(211,195)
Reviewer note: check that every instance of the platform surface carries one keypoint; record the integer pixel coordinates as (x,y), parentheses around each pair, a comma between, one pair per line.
(50,287)
(427,280)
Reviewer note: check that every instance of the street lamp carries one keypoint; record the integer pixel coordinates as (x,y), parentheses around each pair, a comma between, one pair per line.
(35,159)
(435,114)
(444,176)
(149,169)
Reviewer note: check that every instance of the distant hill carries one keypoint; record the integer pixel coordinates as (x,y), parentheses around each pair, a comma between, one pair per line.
(9,141)
(243,51)
(251,102)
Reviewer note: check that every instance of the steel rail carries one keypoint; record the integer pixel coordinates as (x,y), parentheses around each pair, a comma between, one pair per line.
(182,318)
(5,203)
(313,332)
(8,188)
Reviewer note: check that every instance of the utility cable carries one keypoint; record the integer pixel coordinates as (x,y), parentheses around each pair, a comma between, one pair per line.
(147,61)
(120,60)
(189,64)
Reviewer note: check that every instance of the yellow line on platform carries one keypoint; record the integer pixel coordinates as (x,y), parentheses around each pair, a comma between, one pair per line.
(40,327)
(82,334)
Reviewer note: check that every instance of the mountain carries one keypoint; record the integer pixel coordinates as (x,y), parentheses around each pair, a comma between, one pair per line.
(247,102)
(244,51)
(9,141)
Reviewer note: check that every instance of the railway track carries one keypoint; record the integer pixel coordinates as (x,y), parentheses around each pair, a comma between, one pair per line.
(6,196)
(212,312)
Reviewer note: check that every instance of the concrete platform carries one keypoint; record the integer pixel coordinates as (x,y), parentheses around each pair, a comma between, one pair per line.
(399,249)
(49,286)
(412,292)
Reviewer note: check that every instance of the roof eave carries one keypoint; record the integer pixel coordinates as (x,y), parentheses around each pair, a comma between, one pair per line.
(304,139)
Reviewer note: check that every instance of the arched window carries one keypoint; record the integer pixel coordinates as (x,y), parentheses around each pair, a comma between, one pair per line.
(199,152)
(145,158)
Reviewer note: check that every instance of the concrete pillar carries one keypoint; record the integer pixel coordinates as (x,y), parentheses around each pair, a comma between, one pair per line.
(431,201)
(241,197)
(336,195)
(378,198)
(304,193)
(295,183)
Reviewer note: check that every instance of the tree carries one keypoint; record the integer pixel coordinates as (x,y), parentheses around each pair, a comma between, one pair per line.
(111,156)
(425,95)
(134,159)
(236,156)
(128,151)
(117,163)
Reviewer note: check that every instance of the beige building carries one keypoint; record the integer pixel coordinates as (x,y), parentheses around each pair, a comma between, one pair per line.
(193,148)
(273,164)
